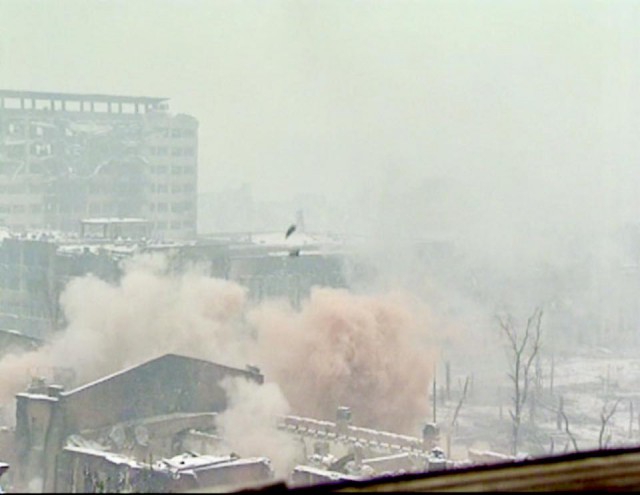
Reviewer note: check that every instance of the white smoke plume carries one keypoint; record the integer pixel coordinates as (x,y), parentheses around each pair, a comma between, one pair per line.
(249,424)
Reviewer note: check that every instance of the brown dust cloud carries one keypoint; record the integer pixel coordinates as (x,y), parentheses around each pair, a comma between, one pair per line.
(373,352)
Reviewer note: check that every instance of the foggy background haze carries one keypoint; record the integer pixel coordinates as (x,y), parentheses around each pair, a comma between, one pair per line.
(491,118)
(479,157)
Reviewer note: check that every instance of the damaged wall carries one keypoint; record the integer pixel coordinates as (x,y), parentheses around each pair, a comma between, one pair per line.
(168,384)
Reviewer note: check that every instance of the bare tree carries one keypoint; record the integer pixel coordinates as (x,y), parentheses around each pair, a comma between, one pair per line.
(605,416)
(522,348)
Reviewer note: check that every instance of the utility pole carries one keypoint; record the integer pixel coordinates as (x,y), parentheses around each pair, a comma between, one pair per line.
(434,394)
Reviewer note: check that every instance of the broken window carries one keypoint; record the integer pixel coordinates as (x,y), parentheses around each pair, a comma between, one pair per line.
(15,128)
(36,130)
(15,151)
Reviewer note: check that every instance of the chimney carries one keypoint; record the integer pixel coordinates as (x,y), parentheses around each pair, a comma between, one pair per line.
(358,454)
(55,390)
(300,220)
(343,419)
(430,436)
(38,385)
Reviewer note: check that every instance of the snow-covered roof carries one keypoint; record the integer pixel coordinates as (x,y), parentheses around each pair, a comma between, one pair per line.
(110,456)
(324,473)
(37,396)
(190,461)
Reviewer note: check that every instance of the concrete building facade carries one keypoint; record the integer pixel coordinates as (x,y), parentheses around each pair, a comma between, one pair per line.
(68,157)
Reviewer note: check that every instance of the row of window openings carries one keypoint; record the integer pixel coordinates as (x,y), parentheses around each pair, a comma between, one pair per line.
(174,207)
(164,151)
(174,132)
(46,149)
(177,225)
(37,168)
(154,188)
(173,225)
(174,169)
(50,208)
(95,208)
(174,188)
(20,208)
(18,128)
(94,189)
(75,106)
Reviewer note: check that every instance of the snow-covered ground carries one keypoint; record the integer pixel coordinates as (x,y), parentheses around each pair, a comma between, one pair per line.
(587,384)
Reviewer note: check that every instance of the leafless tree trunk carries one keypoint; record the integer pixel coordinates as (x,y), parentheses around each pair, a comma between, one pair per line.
(460,402)
(559,413)
(522,350)
(553,369)
(448,379)
(605,416)
(567,431)
(434,395)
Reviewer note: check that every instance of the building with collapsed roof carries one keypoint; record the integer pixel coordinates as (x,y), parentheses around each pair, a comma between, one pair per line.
(122,156)
(151,410)
(342,451)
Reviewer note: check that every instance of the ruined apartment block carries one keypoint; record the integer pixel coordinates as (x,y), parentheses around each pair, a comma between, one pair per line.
(121,156)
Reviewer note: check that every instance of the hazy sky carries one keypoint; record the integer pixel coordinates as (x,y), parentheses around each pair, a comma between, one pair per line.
(339,96)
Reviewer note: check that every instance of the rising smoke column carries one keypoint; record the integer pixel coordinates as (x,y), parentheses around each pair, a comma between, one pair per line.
(367,352)
(341,349)
(146,314)
(249,424)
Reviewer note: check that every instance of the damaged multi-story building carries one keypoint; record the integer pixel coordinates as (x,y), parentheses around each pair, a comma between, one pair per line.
(121,156)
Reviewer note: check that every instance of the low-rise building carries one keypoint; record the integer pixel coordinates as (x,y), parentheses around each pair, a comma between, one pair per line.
(143,412)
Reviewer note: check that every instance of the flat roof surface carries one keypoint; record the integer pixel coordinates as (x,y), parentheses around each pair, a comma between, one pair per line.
(9,93)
